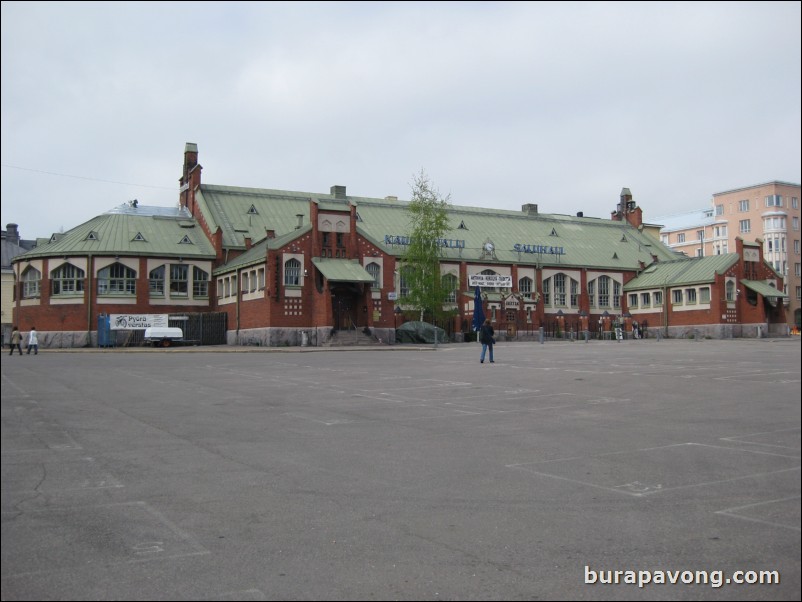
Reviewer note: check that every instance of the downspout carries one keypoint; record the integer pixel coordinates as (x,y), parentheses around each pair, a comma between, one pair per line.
(239,288)
(89,269)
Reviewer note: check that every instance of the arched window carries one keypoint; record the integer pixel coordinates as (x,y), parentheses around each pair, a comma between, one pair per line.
(156,281)
(375,271)
(31,281)
(116,279)
(730,290)
(559,289)
(292,272)
(450,286)
(67,280)
(525,287)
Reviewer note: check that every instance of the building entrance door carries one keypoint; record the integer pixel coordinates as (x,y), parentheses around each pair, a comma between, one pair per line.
(344,300)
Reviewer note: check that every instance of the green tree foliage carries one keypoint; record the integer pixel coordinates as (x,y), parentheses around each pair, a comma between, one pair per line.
(429,224)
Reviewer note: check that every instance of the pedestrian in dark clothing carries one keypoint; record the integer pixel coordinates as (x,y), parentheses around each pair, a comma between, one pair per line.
(16,339)
(486,333)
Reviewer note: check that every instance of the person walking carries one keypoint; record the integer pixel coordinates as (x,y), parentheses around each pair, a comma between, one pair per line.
(33,341)
(16,339)
(486,333)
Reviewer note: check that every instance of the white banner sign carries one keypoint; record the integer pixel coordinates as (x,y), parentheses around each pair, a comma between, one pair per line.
(490,280)
(137,321)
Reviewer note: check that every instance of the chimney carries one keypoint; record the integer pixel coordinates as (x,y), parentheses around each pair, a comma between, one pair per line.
(529,209)
(248,242)
(270,233)
(338,192)
(12,234)
(580,214)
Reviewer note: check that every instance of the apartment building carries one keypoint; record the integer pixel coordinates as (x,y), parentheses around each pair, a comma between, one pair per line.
(766,212)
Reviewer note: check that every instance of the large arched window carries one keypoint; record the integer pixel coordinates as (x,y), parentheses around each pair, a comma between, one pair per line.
(116,279)
(67,280)
(559,289)
(292,272)
(31,281)
(375,271)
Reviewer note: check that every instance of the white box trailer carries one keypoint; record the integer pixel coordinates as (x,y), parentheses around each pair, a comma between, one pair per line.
(163,337)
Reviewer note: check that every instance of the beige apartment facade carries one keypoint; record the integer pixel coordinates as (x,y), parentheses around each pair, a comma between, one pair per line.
(768,213)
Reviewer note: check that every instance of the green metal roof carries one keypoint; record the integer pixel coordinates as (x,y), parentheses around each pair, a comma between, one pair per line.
(694,270)
(762,288)
(342,270)
(554,240)
(143,232)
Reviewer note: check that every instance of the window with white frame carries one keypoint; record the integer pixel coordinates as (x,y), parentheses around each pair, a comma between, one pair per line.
(719,209)
(559,289)
(729,290)
(676,296)
(744,226)
(179,280)
(116,279)
(604,291)
(794,202)
(690,296)
(31,281)
(450,285)
(795,223)
(200,282)
(645,299)
(67,280)
(156,281)
(743,206)
(681,237)
(525,287)
(260,278)
(633,300)
(245,282)
(704,294)
(657,296)
(374,270)
(292,272)
(574,293)
(220,288)
(774,200)
(616,294)
(547,291)
(592,293)
(403,281)
(700,235)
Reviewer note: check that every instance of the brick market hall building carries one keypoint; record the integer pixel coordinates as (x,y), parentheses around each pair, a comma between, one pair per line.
(284,268)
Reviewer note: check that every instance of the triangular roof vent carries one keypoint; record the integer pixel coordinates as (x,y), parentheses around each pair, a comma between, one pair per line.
(185,241)
(92,236)
(462,226)
(138,238)
(253,211)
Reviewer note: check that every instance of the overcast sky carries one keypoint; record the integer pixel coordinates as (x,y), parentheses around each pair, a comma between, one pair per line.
(502,104)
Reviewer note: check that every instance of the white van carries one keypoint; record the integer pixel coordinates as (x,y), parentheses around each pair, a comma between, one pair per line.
(163,337)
